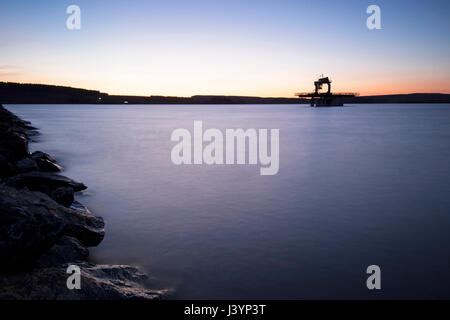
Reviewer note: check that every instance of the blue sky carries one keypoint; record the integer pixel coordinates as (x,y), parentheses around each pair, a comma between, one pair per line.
(266,48)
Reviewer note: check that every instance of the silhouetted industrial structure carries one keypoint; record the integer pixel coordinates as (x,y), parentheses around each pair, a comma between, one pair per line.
(325,99)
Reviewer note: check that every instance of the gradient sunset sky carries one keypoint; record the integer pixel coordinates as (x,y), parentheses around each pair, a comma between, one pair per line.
(261,48)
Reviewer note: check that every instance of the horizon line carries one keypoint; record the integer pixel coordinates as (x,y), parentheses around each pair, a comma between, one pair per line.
(206,95)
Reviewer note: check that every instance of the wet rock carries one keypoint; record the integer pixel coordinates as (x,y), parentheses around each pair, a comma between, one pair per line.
(26,165)
(63,195)
(45,182)
(65,250)
(48,166)
(98,282)
(42,155)
(32,132)
(45,162)
(86,227)
(80,207)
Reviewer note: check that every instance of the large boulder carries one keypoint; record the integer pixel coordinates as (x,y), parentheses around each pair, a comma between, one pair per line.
(45,182)
(98,282)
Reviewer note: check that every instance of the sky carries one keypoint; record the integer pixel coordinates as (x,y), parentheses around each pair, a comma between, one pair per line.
(246,47)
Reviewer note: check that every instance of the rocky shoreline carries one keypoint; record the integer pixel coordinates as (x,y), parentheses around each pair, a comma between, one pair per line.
(43,229)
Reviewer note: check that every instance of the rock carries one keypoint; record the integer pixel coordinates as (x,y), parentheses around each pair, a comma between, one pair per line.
(32,132)
(48,166)
(45,182)
(26,165)
(31,222)
(84,226)
(65,250)
(5,167)
(13,139)
(11,120)
(80,207)
(98,282)
(27,229)
(63,195)
(13,145)
(42,155)
(45,162)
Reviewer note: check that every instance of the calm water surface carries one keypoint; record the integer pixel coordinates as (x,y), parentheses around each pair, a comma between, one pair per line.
(359,185)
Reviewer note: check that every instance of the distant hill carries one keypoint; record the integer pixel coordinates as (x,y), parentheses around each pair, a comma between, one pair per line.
(11,92)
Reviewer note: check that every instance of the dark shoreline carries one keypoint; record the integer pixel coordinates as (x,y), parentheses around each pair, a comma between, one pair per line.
(26,93)
(43,229)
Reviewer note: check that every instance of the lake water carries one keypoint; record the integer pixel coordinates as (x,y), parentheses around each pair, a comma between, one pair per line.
(358,185)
